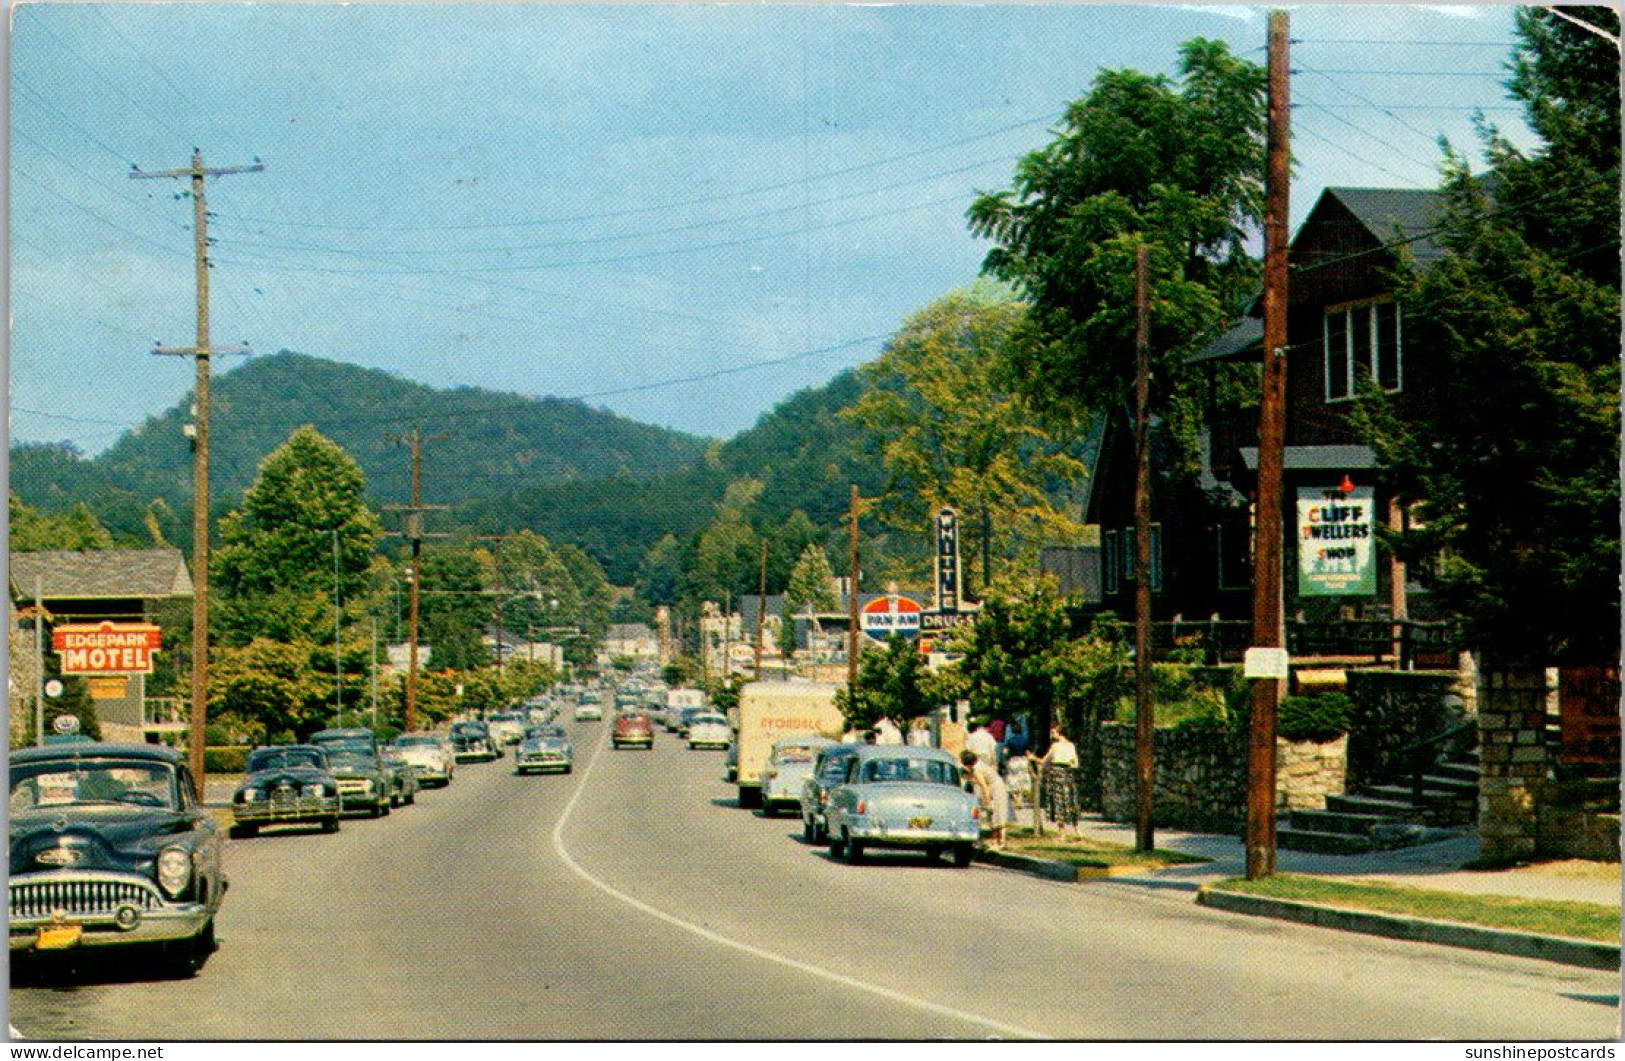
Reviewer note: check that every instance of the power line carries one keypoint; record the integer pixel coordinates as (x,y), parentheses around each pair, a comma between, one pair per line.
(46,187)
(656,207)
(41,26)
(620,237)
(632,257)
(42,100)
(1299,128)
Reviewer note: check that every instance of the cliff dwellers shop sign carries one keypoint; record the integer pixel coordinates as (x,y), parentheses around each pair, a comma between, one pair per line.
(1336,533)
(107,648)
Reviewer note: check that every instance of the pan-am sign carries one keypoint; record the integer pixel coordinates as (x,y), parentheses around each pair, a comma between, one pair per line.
(107,648)
(886,616)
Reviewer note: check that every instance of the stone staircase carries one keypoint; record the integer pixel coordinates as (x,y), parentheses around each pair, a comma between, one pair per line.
(1382,817)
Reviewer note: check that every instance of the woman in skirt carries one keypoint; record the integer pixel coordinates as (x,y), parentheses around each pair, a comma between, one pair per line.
(1058,773)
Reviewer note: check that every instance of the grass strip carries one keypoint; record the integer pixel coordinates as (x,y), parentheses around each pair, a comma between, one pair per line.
(1084,851)
(1547,917)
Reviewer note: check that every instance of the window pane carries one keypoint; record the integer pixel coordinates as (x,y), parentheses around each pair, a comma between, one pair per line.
(1337,357)
(1386,366)
(1360,339)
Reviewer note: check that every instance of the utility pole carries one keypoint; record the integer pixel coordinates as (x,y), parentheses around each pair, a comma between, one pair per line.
(761,610)
(852,604)
(39,663)
(338,656)
(1144,717)
(502,592)
(373,621)
(1268,608)
(200,352)
(414,531)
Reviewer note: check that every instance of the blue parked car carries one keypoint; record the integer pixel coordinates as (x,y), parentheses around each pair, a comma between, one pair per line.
(904,797)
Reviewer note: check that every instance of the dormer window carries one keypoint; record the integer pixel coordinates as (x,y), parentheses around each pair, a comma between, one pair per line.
(1363,341)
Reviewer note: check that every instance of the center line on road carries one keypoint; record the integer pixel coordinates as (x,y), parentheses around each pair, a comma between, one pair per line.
(997,1027)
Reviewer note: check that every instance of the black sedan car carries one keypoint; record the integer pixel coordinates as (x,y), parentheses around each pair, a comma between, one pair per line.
(287,784)
(472,741)
(111,849)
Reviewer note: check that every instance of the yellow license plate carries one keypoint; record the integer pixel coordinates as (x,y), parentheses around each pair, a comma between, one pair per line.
(919,823)
(58,937)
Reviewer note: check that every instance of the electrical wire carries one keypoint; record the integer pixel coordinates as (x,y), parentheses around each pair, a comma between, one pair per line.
(656,207)
(1300,129)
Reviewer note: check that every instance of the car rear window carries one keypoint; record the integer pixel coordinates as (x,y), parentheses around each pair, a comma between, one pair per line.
(934,771)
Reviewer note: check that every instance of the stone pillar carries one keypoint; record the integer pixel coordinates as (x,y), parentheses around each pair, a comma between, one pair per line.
(1513,760)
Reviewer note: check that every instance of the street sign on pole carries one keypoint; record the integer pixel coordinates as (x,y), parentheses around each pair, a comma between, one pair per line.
(887,616)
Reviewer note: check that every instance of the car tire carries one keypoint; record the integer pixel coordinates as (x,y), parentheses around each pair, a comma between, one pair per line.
(809,832)
(411,797)
(243,831)
(837,847)
(330,825)
(964,854)
(932,853)
(382,810)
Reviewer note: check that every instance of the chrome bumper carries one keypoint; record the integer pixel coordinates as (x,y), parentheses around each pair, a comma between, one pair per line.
(112,908)
(304,808)
(881,833)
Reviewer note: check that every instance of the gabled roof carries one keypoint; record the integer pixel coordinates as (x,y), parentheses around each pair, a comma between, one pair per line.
(100,574)
(1409,214)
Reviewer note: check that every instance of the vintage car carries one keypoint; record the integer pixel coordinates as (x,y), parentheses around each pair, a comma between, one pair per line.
(471,742)
(286,784)
(544,748)
(110,847)
(899,796)
(632,728)
(828,770)
(366,783)
(403,775)
(709,730)
(507,727)
(589,711)
(429,757)
(788,765)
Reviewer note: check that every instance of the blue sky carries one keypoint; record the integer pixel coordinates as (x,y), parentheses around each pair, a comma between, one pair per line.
(602,202)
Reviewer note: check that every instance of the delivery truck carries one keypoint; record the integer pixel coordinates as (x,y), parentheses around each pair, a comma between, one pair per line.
(769,711)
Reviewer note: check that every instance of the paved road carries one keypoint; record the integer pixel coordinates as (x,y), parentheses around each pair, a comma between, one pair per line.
(632,899)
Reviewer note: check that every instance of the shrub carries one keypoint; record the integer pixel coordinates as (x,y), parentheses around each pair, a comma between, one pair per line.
(231,760)
(1313,718)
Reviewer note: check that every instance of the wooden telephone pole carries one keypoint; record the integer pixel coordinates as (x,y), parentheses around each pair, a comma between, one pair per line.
(1268,609)
(201,353)
(414,532)
(852,603)
(1144,709)
(761,612)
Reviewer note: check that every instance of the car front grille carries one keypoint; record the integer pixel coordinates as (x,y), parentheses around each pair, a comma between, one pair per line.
(84,897)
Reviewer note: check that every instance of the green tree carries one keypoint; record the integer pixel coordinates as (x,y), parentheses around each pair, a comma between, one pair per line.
(453,609)
(1174,165)
(890,685)
(303,523)
(34,531)
(1017,651)
(1515,467)
(270,685)
(811,589)
(950,435)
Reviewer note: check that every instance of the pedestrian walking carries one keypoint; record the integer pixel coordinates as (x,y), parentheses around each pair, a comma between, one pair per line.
(991,795)
(982,743)
(1058,781)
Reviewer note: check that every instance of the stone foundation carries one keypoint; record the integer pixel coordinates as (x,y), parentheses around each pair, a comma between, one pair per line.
(1200,776)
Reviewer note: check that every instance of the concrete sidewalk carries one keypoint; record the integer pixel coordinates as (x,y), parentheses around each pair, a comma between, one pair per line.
(1436,865)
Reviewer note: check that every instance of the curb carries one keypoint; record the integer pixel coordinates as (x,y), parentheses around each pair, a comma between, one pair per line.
(1037,867)
(1589,954)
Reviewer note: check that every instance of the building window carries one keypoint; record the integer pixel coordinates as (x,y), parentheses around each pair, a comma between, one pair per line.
(1126,542)
(1363,342)
(1110,560)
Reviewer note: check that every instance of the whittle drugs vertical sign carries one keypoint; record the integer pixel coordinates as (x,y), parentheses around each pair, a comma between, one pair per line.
(947,561)
(1336,531)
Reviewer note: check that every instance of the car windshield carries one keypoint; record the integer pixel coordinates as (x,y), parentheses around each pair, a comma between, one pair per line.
(346,742)
(92,781)
(417,742)
(934,771)
(281,758)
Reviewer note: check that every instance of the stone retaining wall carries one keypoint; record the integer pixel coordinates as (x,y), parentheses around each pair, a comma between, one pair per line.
(1200,776)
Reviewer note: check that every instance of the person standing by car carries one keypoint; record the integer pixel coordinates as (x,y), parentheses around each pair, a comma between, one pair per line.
(982,743)
(1058,780)
(991,793)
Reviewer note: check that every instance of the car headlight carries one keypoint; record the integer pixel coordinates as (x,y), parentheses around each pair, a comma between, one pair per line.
(316,791)
(366,785)
(174,870)
(250,795)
